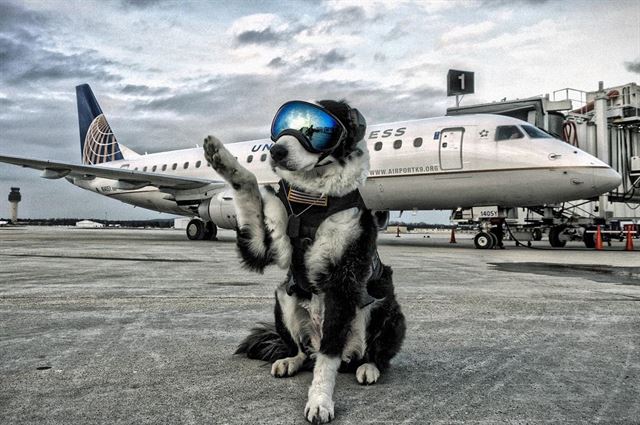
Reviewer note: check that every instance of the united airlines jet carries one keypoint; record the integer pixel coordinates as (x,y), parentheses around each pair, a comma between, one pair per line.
(435,163)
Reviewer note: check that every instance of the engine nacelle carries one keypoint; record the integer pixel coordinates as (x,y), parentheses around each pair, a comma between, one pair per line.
(220,209)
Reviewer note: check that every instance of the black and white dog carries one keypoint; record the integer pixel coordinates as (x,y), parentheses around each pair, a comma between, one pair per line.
(336,310)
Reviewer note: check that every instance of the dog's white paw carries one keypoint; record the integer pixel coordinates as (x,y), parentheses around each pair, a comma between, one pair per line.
(319,409)
(286,367)
(226,164)
(367,374)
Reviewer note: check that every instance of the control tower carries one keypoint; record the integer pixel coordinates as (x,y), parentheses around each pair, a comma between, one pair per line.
(14,198)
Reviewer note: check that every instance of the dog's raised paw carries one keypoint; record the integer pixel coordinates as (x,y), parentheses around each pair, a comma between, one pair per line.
(367,374)
(319,410)
(286,367)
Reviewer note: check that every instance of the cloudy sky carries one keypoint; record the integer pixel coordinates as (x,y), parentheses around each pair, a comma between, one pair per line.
(167,73)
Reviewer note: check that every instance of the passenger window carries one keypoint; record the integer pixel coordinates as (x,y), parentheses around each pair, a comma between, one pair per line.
(144,169)
(377,146)
(249,158)
(263,158)
(397,144)
(135,169)
(164,167)
(198,164)
(417,142)
(186,165)
(508,132)
(174,166)
(154,168)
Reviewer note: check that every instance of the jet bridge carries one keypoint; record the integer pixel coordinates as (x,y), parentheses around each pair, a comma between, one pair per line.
(604,123)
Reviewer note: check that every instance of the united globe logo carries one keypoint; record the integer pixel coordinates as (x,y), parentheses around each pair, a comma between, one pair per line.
(100,144)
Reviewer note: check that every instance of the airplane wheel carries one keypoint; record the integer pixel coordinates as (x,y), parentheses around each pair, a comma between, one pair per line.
(494,239)
(554,237)
(195,229)
(210,231)
(483,240)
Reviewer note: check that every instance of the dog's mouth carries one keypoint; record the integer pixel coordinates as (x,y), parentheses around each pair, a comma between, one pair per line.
(288,166)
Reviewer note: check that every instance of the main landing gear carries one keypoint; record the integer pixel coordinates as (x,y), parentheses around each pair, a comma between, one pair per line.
(198,229)
(489,238)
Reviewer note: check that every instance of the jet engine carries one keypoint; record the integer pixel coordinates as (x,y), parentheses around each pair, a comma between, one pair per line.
(220,209)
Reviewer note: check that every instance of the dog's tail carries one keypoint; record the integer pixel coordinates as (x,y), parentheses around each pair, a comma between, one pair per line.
(265,343)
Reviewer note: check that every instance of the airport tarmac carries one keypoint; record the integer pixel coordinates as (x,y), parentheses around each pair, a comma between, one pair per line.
(123,326)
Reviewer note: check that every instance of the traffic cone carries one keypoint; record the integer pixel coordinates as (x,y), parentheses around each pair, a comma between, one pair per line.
(629,246)
(598,239)
(453,235)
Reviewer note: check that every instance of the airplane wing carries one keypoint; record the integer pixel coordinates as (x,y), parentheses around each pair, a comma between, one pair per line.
(127,179)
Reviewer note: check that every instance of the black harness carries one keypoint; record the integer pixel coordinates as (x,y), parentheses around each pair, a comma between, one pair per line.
(306,212)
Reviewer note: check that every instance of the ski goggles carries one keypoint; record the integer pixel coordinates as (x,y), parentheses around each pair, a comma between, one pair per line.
(322,131)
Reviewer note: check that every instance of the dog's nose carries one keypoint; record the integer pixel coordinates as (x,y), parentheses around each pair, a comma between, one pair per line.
(278,152)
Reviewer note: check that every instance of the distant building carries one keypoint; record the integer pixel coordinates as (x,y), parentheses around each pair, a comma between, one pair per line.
(181,223)
(88,224)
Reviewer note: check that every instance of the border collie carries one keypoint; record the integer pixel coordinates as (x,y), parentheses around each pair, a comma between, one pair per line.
(336,310)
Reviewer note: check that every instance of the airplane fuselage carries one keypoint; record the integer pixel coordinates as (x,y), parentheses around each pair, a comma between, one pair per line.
(436,163)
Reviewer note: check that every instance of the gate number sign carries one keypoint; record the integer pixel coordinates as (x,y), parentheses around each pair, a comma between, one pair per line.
(459,82)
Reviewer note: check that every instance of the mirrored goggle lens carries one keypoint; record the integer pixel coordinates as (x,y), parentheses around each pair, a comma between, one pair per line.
(321,129)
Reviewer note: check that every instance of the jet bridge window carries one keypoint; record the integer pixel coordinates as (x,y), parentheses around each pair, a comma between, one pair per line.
(508,132)
(417,142)
(397,144)
(536,133)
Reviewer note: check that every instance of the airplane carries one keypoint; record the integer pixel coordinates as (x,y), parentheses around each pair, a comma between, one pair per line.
(425,164)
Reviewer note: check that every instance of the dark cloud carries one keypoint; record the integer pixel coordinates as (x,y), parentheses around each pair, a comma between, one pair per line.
(141,4)
(266,36)
(348,18)
(26,55)
(143,90)
(277,62)
(324,61)
(633,66)
(380,57)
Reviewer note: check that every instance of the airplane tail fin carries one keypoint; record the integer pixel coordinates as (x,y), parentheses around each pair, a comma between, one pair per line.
(98,144)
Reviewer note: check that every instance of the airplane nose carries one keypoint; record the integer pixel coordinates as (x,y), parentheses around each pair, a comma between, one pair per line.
(606,179)
(278,152)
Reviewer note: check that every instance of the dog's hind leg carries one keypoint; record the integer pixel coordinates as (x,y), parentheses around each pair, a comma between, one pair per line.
(288,366)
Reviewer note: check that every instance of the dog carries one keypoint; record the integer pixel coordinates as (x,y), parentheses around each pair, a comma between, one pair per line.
(336,309)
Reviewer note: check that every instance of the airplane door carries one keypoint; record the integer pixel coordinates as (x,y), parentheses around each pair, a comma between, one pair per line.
(451,148)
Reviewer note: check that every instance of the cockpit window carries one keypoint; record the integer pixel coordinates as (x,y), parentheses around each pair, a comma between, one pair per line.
(508,132)
(536,133)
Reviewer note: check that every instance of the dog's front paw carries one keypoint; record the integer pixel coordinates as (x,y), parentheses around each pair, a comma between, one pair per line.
(367,374)
(319,410)
(227,165)
(286,367)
